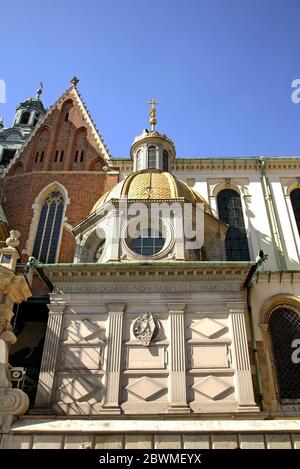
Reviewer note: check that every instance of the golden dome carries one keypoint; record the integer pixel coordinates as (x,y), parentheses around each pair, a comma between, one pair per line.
(151,184)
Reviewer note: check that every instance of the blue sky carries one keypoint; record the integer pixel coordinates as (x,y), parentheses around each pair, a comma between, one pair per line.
(221,70)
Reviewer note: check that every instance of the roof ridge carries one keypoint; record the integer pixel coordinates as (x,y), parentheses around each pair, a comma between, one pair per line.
(36,128)
(93,125)
(81,102)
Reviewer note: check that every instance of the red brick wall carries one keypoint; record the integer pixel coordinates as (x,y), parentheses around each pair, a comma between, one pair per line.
(66,128)
(83,191)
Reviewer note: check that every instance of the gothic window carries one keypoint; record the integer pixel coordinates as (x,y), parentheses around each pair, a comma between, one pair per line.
(148,243)
(165,160)
(25,117)
(152,157)
(46,241)
(231,212)
(139,160)
(284,327)
(295,199)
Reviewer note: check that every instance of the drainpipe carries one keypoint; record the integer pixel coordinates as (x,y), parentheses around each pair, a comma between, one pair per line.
(272,214)
(248,284)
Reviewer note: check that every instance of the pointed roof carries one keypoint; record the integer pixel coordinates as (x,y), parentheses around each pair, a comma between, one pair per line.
(73,92)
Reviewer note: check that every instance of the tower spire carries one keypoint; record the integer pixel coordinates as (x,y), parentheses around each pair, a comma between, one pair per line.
(152,113)
(39,90)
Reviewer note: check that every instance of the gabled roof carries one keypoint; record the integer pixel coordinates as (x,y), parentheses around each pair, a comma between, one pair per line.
(71,92)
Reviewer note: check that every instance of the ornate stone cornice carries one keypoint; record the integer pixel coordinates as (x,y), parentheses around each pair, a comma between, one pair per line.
(222,164)
(152,277)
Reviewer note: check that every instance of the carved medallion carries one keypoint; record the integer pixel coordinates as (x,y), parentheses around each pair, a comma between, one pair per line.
(146,328)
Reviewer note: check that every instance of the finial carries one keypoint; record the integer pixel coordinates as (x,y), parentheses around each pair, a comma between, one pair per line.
(152,113)
(39,90)
(13,240)
(74,81)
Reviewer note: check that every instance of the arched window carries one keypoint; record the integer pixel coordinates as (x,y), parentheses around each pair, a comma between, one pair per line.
(139,160)
(165,160)
(295,199)
(284,328)
(231,212)
(25,117)
(152,157)
(46,241)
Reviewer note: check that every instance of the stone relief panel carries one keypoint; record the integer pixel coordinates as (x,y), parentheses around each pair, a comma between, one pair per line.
(79,387)
(145,394)
(210,356)
(84,357)
(213,393)
(211,374)
(83,331)
(146,358)
(79,393)
(146,328)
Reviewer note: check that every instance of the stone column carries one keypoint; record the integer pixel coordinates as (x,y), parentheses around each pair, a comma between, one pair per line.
(13,402)
(50,353)
(113,360)
(241,360)
(177,360)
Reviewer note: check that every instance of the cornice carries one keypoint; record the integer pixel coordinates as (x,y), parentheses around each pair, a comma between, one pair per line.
(290,276)
(145,272)
(222,164)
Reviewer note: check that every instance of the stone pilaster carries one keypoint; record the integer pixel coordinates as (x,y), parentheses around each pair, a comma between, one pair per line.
(113,361)
(177,360)
(243,379)
(50,353)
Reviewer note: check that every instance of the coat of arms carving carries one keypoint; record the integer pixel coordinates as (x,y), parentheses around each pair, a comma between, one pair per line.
(146,328)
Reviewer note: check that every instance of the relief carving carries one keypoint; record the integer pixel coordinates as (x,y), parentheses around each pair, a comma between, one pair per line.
(145,328)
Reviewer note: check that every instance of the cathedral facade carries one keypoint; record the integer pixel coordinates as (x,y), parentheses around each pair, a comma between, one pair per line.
(164,302)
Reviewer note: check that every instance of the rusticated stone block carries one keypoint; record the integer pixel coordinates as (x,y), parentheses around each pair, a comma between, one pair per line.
(196,442)
(138,442)
(109,441)
(16,442)
(167,442)
(78,441)
(47,442)
(251,441)
(278,441)
(224,441)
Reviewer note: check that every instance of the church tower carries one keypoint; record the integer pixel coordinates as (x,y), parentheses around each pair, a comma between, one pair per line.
(28,114)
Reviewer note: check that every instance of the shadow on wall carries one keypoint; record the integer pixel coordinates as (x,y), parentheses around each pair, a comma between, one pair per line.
(267,244)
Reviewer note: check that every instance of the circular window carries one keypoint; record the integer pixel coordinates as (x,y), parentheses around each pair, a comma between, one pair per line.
(148,243)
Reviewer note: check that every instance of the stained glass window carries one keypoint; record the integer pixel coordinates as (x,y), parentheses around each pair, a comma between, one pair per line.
(295,199)
(46,241)
(231,212)
(284,327)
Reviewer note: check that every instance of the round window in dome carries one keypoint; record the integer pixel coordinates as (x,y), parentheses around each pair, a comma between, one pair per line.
(148,243)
